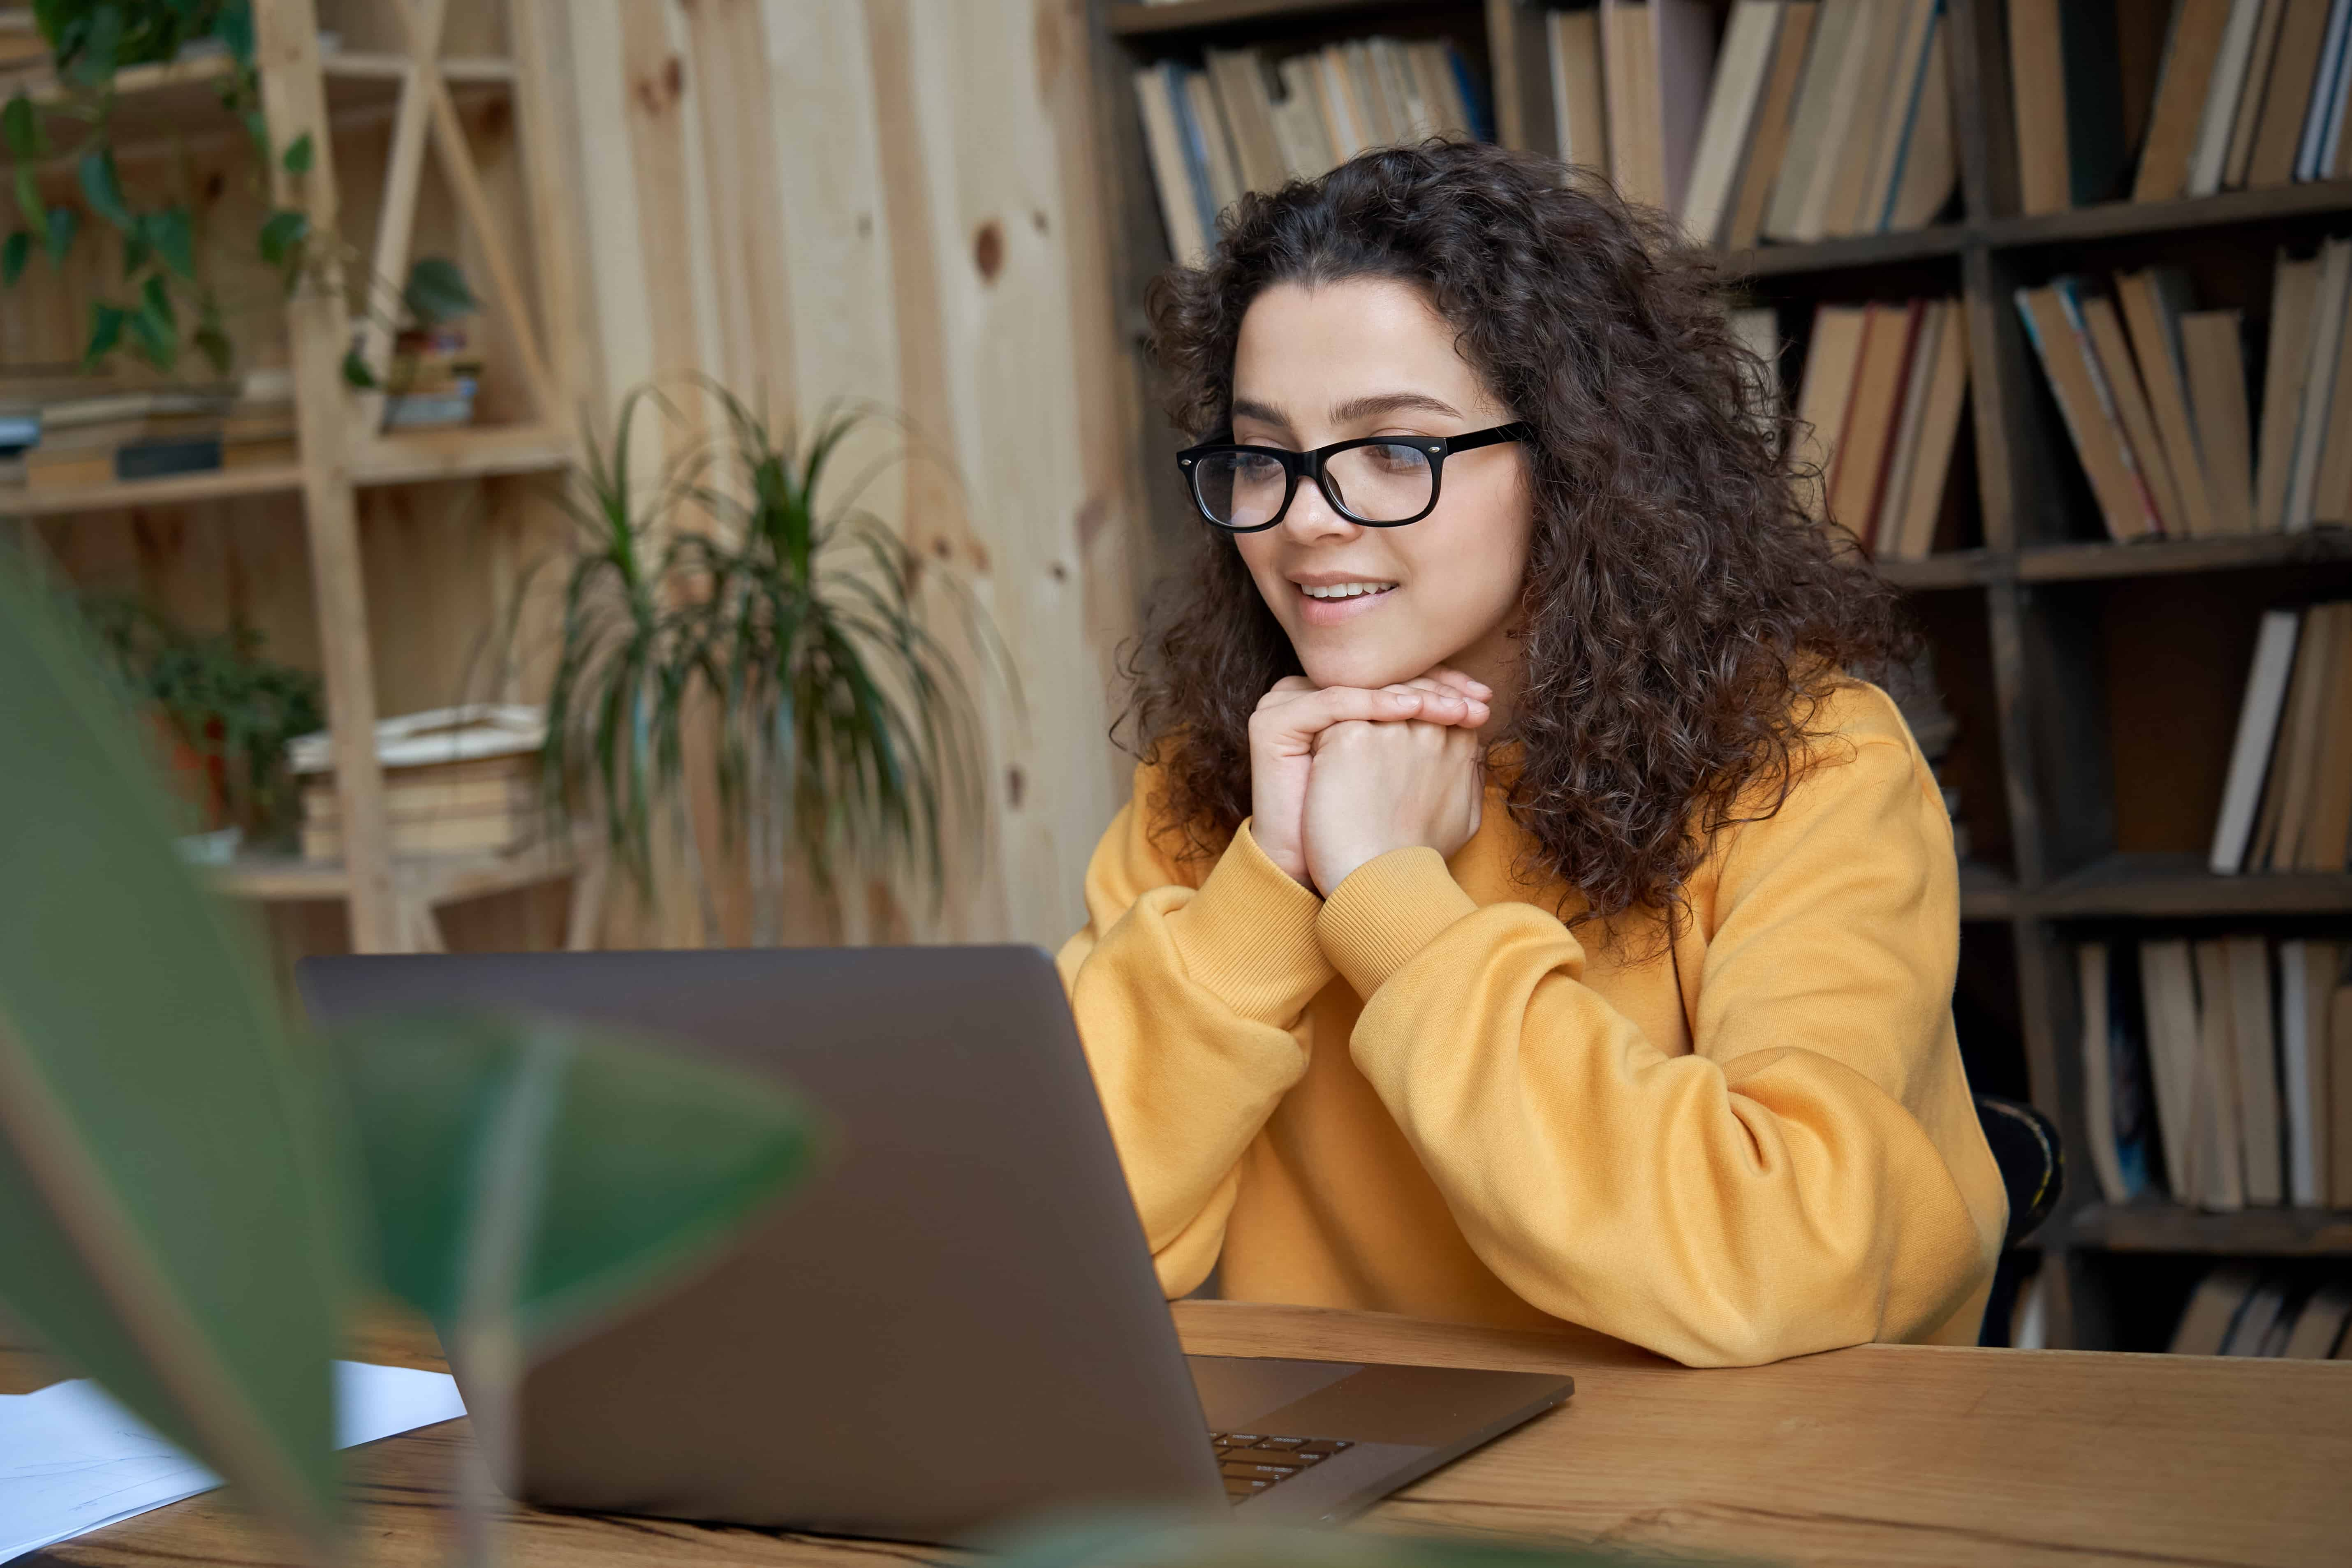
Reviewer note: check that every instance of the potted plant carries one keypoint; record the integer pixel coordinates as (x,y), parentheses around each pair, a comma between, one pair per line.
(844,733)
(223,711)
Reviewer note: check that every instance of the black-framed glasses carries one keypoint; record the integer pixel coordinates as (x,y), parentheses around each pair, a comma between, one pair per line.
(1380,481)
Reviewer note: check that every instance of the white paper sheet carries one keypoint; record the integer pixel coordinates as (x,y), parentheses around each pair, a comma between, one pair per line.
(72,1460)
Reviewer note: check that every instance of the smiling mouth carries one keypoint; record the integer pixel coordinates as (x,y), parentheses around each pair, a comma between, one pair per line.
(1346,590)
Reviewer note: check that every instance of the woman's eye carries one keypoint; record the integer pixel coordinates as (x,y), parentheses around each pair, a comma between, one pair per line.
(1397,457)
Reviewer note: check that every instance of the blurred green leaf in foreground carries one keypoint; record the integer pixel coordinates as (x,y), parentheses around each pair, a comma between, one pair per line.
(183,1185)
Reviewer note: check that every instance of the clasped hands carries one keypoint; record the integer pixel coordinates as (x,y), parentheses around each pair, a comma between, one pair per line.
(1342,775)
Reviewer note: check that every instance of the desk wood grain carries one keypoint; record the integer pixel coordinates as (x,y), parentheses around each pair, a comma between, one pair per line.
(1885,1454)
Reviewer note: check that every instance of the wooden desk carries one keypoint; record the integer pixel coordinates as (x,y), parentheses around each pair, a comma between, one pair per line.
(1878,1454)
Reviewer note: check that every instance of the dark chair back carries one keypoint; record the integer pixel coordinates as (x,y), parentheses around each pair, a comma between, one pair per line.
(2032,1165)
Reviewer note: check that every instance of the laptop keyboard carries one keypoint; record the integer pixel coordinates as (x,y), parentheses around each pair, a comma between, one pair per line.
(1252,1462)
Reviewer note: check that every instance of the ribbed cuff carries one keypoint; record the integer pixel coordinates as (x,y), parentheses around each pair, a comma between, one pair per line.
(1249,936)
(1386,910)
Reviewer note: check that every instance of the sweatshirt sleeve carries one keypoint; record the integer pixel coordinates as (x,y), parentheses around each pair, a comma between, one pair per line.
(1191,1004)
(1773,1191)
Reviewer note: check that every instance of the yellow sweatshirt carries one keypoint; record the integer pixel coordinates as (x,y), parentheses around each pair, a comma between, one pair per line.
(1426,1096)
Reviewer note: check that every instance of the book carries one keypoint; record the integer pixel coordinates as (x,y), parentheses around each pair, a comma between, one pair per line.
(1824,396)
(1180,210)
(2086,408)
(2326,828)
(2099,1031)
(1885,526)
(1681,65)
(1758,328)
(2287,97)
(2128,396)
(2307,971)
(2189,59)
(2286,793)
(2257,726)
(1858,89)
(2038,100)
(1930,168)
(1808,153)
(1300,121)
(2169,1004)
(1239,76)
(1207,121)
(1880,372)
(2250,95)
(1579,105)
(1629,85)
(2258,1330)
(2253,1031)
(2294,300)
(2321,155)
(1726,135)
(1871,153)
(2323,478)
(2215,1120)
(1938,433)
(2214,1310)
(2153,301)
(2209,161)
(1760,173)
(2319,1327)
(2212,350)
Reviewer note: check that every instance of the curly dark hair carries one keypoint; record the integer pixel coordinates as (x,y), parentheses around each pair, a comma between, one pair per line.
(1682,619)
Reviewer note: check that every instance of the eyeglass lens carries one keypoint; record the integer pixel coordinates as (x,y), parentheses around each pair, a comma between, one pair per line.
(1383,483)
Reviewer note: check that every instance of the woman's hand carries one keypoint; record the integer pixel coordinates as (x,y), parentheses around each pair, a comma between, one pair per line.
(1290,717)
(1380,787)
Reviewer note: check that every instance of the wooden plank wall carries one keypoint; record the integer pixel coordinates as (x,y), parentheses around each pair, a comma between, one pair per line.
(894,200)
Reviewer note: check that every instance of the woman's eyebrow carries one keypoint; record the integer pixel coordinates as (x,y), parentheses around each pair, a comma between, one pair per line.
(1366,407)
(1265,414)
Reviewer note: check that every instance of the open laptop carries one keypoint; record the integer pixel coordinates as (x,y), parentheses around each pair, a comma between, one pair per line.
(956,1322)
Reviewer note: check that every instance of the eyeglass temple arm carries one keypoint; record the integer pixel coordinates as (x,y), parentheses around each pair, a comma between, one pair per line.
(1501,433)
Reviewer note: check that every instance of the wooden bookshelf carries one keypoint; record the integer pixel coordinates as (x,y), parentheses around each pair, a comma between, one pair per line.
(2041,614)
(470,93)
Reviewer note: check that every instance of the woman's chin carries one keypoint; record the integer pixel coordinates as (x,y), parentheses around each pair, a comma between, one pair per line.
(1366,667)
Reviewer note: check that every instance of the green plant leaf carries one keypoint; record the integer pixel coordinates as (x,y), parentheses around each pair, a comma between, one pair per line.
(156,301)
(152,330)
(172,1221)
(437,292)
(15,252)
(64,223)
(105,324)
(355,370)
(20,126)
(28,201)
(172,232)
(100,46)
(233,26)
(281,234)
(218,352)
(103,190)
(298,157)
(652,1158)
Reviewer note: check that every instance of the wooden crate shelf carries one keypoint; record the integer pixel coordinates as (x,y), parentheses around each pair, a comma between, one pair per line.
(2249,1233)
(182,490)
(2180,887)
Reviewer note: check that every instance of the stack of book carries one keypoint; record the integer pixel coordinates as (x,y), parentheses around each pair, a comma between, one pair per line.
(2286,804)
(120,435)
(1251,122)
(461,780)
(2153,394)
(2237,1311)
(1825,117)
(1879,411)
(2219,1070)
(432,381)
(2159,103)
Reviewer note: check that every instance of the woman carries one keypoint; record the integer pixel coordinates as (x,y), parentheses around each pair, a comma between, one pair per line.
(1526,910)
